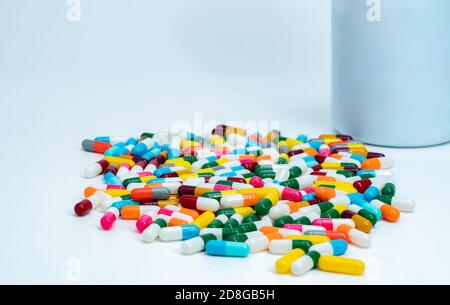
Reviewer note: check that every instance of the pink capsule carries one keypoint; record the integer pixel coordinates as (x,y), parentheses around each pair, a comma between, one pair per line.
(257,182)
(109,218)
(331,224)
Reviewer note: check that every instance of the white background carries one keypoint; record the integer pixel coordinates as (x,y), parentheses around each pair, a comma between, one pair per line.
(128,68)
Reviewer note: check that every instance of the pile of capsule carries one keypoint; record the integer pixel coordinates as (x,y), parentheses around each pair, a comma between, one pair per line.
(231,194)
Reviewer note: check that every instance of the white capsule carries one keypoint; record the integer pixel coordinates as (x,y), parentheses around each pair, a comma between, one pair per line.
(171,233)
(207,204)
(302,265)
(359,238)
(232,201)
(288,232)
(93,170)
(257,244)
(193,245)
(151,233)
(323,248)
(279,210)
(280,246)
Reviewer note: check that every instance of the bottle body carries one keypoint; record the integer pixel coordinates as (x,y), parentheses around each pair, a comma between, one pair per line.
(391,71)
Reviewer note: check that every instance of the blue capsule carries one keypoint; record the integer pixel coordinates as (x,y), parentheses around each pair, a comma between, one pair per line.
(227,248)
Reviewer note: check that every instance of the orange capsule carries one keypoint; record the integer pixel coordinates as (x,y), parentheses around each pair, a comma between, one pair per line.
(89,191)
(136,211)
(150,194)
(175,222)
(377,163)
(327,193)
(388,212)
(239,200)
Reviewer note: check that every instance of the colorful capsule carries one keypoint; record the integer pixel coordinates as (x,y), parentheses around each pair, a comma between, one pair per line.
(355,236)
(204,219)
(179,233)
(330,234)
(402,204)
(332,224)
(234,221)
(86,205)
(243,211)
(96,169)
(342,265)
(219,221)
(254,226)
(315,239)
(378,163)
(220,233)
(149,194)
(152,231)
(263,206)
(196,244)
(283,246)
(227,248)
(136,211)
(303,228)
(388,212)
(95,146)
(286,207)
(361,223)
(199,203)
(239,200)
(261,243)
(282,231)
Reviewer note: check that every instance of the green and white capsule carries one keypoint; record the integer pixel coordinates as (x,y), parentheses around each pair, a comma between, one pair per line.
(220,233)
(196,244)
(283,246)
(400,203)
(219,221)
(234,221)
(152,231)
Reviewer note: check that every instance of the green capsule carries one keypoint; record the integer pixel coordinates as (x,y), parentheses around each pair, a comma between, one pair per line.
(315,257)
(147,135)
(367,176)
(295,172)
(349,165)
(206,174)
(280,222)
(266,174)
(325,206)
(190,159)
(248,227)
(263,206)
(388,189)
(292,183)
(208,237)
(301,244)
(238,237)
(160,222)
(210,164)
(251,218)
(128,181)
(214,195)
(126,197)
(367,215)
(226,232)
(248,175)
(345,173)
(218,222)
(332,213)
(225,182)
(385,198)
(282,160)
(232,223)
(304,220)
(226,211)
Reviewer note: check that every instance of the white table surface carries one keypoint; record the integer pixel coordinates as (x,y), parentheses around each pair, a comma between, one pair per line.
(44,242)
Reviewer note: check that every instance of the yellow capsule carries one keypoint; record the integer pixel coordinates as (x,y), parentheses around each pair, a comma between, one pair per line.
(188,144)
(362,223)
(204,170)
(331,165)
(315,239)
(292,142)
(117,161)
(283,264)
(340,208)
(341,265)
(260,192)
(284,156)
(199,191)
(188,176)
(204,220)
(328,136)
(273,197)
(331,140)
(244,211)
(222,161)
(118,192)
(173,200)
(216,140)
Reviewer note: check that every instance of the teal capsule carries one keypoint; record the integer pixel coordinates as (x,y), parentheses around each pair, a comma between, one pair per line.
(227,248)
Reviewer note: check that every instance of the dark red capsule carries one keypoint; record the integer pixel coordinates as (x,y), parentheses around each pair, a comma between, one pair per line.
(186,190)
(295,152)
(83,207)
(362,185)
(371,155)
(320,158)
